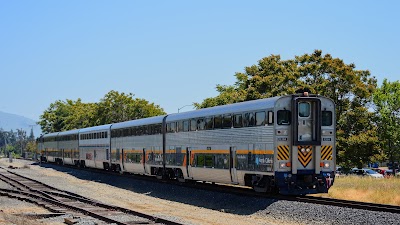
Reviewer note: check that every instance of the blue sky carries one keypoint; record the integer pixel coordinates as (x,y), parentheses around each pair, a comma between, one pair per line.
(174,53)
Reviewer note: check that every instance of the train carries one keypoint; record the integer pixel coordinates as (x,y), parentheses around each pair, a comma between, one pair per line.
(282,144)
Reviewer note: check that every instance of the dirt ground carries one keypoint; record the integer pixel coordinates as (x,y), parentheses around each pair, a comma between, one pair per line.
(185,213)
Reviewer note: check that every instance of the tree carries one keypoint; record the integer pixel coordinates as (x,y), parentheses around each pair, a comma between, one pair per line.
(31,136)
(118,107)
(31,147)
(114,107)
(349,88)
(387,107)
(53,118)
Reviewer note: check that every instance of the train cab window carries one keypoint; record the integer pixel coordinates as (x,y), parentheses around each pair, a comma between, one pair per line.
(327,118)
(260,118)
(237,120)
(193,125)
(249,120)
(304,109)
(209,123)
(283,117)
(218,122)
(227,121)
(201,125)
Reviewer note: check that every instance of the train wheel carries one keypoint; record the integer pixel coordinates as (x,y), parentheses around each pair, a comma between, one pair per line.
(118,169)
(179,176)
(261,184)
(159,174)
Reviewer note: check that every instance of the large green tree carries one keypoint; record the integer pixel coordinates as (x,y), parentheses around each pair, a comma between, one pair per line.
(349,88)
(118,107)
(387,106)
(114,107)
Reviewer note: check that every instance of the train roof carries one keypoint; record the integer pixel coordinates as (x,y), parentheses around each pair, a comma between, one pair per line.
(225,109)
(76,131)
(138,122)
(96,128)
(51,134)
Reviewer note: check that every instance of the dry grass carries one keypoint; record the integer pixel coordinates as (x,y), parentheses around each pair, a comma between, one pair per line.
(14,164)
(366,189)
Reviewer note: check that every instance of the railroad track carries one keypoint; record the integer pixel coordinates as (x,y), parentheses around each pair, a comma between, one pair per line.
(64,202)
(251,193)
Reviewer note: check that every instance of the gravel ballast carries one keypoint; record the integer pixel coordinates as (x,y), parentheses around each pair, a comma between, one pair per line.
(193,206)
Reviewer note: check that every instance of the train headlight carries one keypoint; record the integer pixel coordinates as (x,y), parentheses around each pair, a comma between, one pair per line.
(303,150)
(326,165)
(282,165)
(308,150)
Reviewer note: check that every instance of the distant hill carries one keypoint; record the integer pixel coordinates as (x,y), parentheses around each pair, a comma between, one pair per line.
(13,122)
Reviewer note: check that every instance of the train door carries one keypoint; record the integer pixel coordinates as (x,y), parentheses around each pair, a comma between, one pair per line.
(232,165)
(189,162)
(62,156)
(122,163)
(144,159)
(307,132)
(95,158)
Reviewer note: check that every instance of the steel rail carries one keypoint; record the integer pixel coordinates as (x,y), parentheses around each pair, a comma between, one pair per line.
(57,197)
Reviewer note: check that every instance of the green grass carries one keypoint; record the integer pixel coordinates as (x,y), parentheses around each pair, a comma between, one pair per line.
(366,189)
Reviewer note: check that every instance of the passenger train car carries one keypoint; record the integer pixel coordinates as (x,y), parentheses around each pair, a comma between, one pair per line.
(284,143)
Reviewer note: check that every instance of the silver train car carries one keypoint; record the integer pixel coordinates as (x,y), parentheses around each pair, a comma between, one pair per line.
(284,144)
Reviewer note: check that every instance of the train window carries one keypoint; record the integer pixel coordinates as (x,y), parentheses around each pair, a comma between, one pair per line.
(124,132)
(145,130)
(249,120)
(237,120)
(200,160)
(105,134)
(283,117)
(157,128)
(137,131)
(186,125)
(218,122)
(221,161)
(227,121)
(327,118)
(260,118)
(180,126)
(304,109)
(208,160)
(193,125)
(201,125)
(173,127)
(209,123)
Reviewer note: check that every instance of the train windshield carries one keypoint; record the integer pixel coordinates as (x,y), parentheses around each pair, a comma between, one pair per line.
(283,117)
